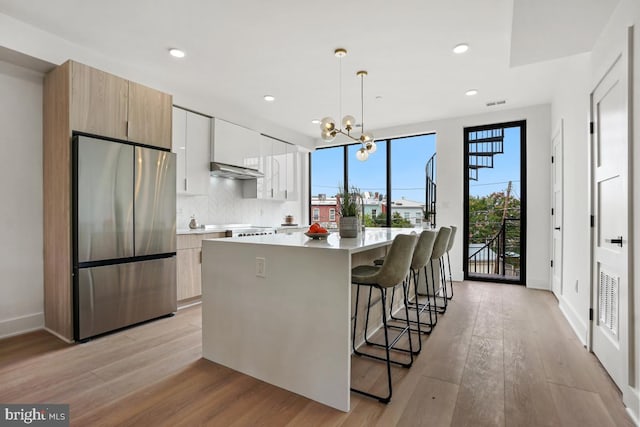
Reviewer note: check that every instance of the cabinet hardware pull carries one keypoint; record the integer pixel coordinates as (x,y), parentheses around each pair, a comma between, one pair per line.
(617,241)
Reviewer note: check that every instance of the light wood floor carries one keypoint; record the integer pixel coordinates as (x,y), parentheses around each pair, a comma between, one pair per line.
(501,356)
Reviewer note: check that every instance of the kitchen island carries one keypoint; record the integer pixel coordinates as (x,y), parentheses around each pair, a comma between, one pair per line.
(278,308)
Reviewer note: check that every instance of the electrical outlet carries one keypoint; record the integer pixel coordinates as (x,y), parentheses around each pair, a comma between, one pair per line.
(261,267)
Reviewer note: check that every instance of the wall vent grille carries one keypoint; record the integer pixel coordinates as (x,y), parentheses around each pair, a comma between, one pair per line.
(608,301)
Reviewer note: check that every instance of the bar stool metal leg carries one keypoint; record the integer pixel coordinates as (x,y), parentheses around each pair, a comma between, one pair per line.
(450,277)
(388,346)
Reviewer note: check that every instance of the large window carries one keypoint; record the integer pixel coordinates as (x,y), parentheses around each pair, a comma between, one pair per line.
(409,157)
(393,179)
(371,178)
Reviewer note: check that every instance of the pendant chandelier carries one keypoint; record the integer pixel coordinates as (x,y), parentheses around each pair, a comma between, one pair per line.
(328,127)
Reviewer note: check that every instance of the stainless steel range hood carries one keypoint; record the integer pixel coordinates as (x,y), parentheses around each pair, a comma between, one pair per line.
(234,172)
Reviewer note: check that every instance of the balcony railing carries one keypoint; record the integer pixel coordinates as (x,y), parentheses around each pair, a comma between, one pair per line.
(499,257)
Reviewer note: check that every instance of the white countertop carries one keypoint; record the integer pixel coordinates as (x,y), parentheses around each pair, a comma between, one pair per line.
(199,231)
(371,238)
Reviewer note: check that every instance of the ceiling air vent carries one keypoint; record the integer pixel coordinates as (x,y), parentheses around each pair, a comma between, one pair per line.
(493,103)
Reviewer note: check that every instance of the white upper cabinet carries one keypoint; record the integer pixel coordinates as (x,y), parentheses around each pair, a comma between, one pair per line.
(280,164)
(191,142)
(279,170)
(236,145)
(293,173)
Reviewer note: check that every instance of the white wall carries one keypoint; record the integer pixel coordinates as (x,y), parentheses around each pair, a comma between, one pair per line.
(571,107)
(450,149)
(21,262)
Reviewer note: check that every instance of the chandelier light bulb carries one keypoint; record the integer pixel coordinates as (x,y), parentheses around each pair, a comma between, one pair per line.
(328,135)
(362,154)
(348,122)
(371,147)
(366,137)
(327,124)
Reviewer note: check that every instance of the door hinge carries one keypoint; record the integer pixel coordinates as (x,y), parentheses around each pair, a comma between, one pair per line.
(593,221)
(551,263)
(591,314)
(552,159)
(591,128)
(185,184)
(552,211)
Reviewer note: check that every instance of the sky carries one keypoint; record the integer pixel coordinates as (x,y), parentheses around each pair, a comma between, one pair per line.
(408,160)
(506,168)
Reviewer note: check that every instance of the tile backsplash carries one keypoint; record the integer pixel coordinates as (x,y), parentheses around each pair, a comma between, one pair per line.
(225,205)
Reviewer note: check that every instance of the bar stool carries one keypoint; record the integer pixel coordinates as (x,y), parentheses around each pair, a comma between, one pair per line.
(393,272)
(449,246)
(421,256)
(439,249)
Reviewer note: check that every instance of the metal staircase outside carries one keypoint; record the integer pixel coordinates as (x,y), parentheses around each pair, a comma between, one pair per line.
(430,196)
(482,147)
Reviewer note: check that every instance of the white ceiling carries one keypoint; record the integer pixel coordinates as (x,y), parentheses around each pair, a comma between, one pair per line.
(238,51)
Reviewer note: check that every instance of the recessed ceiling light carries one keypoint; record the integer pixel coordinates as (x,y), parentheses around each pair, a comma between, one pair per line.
(315,121)
(461,48)
(176,53)
(269,98)
(471,92)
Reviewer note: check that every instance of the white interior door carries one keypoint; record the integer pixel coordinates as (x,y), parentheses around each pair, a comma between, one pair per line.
(610,204)
(557,162)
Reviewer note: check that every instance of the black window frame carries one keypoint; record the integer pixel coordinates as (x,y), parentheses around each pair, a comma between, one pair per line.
(345,177)
(522,124)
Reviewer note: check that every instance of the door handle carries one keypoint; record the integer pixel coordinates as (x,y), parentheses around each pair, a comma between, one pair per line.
(557,228)
(617,241)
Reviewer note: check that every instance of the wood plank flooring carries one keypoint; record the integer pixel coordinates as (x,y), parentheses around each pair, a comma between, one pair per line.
(501,356)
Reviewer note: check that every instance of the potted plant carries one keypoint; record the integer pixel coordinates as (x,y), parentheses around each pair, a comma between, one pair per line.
(349,200)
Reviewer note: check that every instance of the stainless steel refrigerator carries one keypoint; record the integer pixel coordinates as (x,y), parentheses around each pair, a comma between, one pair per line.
(124,234)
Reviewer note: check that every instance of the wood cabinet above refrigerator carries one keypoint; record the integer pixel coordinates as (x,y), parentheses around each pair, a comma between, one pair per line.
(107,105)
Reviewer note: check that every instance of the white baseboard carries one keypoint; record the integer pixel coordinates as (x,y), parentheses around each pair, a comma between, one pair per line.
(21,325)
(575,321)
(632,402)
(538,284)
